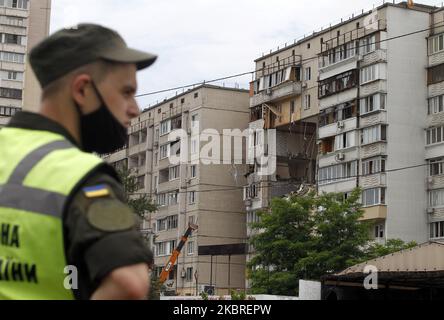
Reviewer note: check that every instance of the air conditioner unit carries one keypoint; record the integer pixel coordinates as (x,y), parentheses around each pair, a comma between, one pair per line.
(430,210)
(341,125)
(268,92)
(429,182)
(183,274)
(189,131)
(248,202)
(304,85)
(156,144)
(340,157)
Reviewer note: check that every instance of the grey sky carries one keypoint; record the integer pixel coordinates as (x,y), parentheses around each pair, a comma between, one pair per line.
(200,40)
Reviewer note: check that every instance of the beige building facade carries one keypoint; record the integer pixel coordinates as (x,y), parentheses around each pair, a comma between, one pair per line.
(208,195)
(23,24)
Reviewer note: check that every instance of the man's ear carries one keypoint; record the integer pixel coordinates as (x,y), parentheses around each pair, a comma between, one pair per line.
(82,94)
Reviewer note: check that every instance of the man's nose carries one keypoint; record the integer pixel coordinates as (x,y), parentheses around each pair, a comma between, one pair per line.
(133,110)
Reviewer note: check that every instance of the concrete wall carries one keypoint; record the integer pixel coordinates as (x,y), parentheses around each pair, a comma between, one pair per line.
(39,18)
(406,111)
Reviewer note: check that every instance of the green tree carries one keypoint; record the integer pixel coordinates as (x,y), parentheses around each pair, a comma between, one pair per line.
(141,203)
(376,250)
(306,237)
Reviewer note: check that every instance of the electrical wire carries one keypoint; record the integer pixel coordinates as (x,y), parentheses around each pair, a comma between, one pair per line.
(435,25)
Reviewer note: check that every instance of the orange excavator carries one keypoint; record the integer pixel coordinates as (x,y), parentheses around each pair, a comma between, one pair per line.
(172,261)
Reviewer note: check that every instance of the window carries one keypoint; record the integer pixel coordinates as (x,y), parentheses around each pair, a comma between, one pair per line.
(192,197)
(372,166)
(307,102)
(437,44)
(307,74)
(367,45)
(369,73)
(435,74)
(345,140)
(172,222)
(8,111)
(436,105)
(161,248)
(436,198)
(374,134)
(174,173)
(182,101)
(379,231)
(165,127)
(156,183)
(336,173)
(189,275)
(338,54)
(11,38)
(196,95)
(373,197)
(140,182)
(435,135)
(253,217)
(342,82)
(194,146)
(373,103)
(436,167)
(190,248)
(437,230)
(164,151)
(173,198)
(195,121)
(12,57)
(169,223)
(292,107)
(161,200)
(193,171)
(19,4)
(11,93)
(251,191)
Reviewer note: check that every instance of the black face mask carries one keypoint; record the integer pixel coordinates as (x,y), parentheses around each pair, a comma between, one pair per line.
(100,130)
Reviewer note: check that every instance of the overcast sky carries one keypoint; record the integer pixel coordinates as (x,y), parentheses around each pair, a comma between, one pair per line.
(199,40)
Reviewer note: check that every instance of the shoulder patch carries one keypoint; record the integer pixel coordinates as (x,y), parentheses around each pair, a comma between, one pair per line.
(98,191)
(110,215)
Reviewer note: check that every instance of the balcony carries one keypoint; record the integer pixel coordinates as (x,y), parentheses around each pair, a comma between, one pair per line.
(434,150)
(344,185)
(373,87)
(436,59)
(171,113)
(435,120)
(337,128)
(373,181)
(338,68)
(341,97)
(339,156)
(374,118)
(373,57)
(138,148)
(375,213)
(373,150)
(435,182)
(282,91)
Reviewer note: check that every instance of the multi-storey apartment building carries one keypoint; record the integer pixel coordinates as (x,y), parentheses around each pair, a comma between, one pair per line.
(434,154)
(193,191)
(358,89)
(23,23)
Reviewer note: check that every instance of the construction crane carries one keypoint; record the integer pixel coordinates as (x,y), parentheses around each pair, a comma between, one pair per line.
(172,261)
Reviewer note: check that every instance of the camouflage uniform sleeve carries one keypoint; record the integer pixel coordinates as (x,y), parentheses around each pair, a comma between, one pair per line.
(101,231)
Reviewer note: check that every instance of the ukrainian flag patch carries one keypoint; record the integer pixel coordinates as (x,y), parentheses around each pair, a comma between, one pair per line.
(98,191)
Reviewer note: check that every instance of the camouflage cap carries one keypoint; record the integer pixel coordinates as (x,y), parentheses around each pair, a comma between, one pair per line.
(69,49)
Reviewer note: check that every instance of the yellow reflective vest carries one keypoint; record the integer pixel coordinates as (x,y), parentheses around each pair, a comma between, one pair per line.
(38,172)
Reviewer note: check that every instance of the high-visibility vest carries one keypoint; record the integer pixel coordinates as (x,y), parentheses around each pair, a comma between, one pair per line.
(39,170)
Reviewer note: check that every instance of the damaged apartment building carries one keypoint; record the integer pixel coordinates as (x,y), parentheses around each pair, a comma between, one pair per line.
(359,91)
(207,195)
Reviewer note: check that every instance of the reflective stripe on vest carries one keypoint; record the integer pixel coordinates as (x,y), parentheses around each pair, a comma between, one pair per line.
(34,186)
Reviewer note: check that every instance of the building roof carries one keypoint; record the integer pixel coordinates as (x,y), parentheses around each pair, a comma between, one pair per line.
(207,86)
(403,5)
(420,266)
